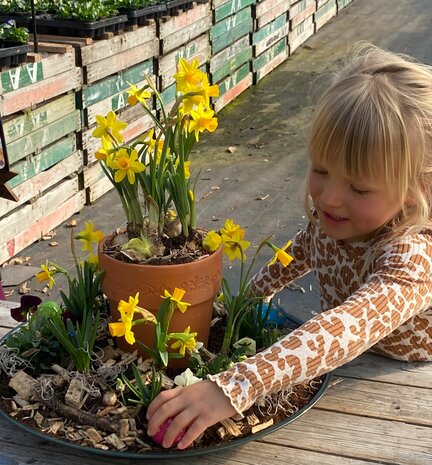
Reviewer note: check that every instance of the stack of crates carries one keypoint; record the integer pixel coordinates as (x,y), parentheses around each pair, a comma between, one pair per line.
(301,22)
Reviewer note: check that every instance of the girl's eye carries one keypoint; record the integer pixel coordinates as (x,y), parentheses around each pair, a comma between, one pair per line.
(358,191)
(319,171)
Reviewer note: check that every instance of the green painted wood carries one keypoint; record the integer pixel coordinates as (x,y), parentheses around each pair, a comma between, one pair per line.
(114,84)
(232,64)
(225,26)
(268,29)
(21,76)
(269,55)
(219,59)
(49,157)
(232,35)
(299,7)
(231,7)
(324,9)
(22,125)
(39,139)
(343,3)
(227,84)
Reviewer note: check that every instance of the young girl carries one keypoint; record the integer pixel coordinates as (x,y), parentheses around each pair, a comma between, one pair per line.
(369,242)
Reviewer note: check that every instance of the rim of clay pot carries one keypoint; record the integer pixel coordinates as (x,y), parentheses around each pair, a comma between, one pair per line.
(174,453)
(219,251)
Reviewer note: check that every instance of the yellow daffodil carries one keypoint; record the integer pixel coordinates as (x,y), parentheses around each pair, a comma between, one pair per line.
(184,341)
(188,75)
(176,297)
(212,241)
(280,254)
(89,236)
(230,228)
(202,94)
(123,327)
(186,167)
(93,259)
(126,164)
(109,128)
(154,145)
(202,119)
(103,152)
(46,274)
(191,195)
(137,95)
(234,245)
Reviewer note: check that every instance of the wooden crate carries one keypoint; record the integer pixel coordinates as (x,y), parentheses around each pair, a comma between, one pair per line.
(30,222)
(232,86)
(177,31)
(230,29)
(229,59)
(34,83)
(198,48)
(301,33)
(300,11)
(342,4)
(267,11)
(270,34)
(224,8)
(108,57)
(326,10)
(270,59)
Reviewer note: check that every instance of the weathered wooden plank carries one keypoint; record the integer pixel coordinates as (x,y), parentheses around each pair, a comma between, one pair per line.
(92,94)
(379,400)
(268,10)
(223,27)
(376,368)
(262,43)
(301,33)
(232,63)
(270,59)
(189,32)
(98,189)
(240,30)
(258,453)
(103,49)
(92,174)
(32,73)
(300,12)
(28,224)
(41,161)
(176,24)
(42,181)
(6,321)
(21,125)
(324,13)
(198,48)
(37,140)
(42,91)
(357,437)
(233,86)
(122,61)
(229,8)
(342,4)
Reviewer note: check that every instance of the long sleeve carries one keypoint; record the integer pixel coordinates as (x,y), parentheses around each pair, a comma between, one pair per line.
(399,287)
(272,279)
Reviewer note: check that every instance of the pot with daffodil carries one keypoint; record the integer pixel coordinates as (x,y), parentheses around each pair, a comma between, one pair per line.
(161,247)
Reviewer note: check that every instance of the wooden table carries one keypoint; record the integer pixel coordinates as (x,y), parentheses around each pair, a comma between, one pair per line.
(379,413)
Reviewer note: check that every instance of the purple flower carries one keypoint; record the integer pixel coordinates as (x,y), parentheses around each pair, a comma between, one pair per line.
(29,304)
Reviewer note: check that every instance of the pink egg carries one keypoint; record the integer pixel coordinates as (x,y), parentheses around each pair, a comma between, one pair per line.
(160,435)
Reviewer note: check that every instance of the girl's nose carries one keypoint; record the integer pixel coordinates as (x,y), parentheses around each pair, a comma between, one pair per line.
(332,195)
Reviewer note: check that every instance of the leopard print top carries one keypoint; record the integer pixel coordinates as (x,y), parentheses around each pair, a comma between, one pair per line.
(390,309)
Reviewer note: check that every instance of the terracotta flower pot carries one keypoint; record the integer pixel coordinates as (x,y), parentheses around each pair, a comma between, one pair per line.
(200,279)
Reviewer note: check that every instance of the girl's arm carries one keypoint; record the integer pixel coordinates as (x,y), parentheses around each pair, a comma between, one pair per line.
(272,279)
(399,287)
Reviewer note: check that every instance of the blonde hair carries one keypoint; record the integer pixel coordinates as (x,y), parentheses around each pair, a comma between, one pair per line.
(374,122)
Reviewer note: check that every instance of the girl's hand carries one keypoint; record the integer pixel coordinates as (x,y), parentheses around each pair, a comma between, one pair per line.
(193,409)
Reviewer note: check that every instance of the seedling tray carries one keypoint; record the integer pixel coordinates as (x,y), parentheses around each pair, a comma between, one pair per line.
(92,29)
(138,16)
(13,56)
(173,6)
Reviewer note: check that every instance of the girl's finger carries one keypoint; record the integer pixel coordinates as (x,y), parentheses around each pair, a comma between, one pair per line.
(161,399)
(192,433)
(179,425)
(163,408)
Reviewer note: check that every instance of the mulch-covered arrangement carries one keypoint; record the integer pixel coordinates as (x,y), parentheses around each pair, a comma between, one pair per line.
(90,411)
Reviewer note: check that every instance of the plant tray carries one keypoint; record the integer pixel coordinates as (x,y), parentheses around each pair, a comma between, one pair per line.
(138,17)
(173,6)
(13,56)
(92,29)
(21,20)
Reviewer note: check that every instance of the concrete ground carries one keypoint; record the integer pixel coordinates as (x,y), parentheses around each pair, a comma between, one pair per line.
(259,183)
